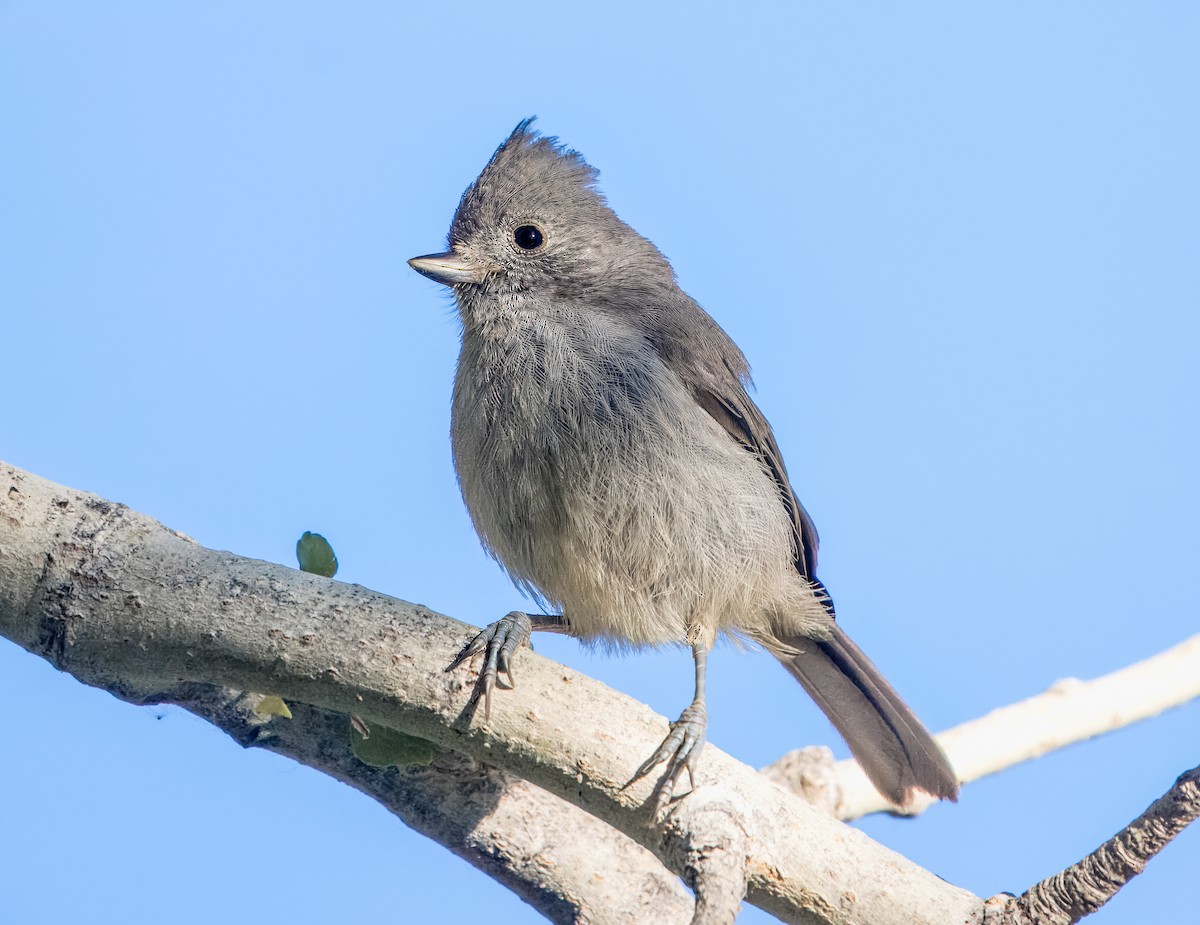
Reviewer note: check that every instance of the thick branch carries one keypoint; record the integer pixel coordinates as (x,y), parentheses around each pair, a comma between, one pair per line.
(127,605)
(1070,711)
(566,864)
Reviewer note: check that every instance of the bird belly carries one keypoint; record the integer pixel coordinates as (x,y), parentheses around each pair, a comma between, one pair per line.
(606,491)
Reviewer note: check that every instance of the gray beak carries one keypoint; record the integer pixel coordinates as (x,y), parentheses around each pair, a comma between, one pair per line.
(449,269)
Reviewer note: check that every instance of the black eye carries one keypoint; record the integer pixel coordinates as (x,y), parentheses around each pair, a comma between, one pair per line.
(528,237)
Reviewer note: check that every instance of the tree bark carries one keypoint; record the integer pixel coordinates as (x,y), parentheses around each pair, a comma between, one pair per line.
(539,798)
(125,604)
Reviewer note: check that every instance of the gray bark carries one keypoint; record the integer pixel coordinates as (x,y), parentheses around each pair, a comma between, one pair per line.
(125,604)
(538,798)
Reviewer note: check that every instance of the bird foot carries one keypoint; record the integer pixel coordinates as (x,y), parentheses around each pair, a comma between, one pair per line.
(500,642)
(681,751)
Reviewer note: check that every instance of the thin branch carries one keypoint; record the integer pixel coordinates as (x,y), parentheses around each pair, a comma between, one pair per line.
(125,604)
(1085,886)
(1069,711)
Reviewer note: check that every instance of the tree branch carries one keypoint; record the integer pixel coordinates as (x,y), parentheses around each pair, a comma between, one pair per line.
(1087,885)
(566,864)
(1070,711)
(125,604)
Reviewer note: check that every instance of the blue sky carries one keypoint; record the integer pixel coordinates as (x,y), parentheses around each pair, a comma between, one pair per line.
(958,244)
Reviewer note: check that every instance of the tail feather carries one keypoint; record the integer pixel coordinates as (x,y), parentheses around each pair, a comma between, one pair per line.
(897,753)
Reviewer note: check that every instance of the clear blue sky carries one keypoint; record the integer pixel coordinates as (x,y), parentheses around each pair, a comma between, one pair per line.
(959,246)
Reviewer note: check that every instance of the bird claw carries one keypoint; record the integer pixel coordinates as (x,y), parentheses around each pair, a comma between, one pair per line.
(681,751)
(500,642)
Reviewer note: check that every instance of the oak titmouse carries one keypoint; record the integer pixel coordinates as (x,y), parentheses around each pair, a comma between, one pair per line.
(613,462)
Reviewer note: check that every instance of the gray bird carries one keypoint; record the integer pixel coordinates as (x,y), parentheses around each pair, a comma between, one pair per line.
(613,462)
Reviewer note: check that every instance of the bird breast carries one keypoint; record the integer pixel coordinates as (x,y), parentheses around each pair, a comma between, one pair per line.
(593,476)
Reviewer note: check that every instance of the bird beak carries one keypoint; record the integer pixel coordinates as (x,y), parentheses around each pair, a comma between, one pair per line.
(449,269)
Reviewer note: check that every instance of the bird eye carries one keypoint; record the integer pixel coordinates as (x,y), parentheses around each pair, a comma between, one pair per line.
(528,237)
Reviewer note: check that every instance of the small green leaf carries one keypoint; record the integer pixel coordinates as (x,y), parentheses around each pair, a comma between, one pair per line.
(273,706)
(386,747)
(316,555)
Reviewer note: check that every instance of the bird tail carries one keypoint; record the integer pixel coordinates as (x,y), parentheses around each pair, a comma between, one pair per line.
(897,753)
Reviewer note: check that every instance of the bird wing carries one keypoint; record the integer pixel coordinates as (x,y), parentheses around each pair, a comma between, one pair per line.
(732,408)
(712,368)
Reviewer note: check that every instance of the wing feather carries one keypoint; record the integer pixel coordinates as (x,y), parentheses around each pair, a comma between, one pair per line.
(735,411)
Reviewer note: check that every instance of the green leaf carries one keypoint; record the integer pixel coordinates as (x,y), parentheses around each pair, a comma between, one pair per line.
(316,555)
(386,746)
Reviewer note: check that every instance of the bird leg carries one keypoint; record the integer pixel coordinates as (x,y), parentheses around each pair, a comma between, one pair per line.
(682,747)
(501,641)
